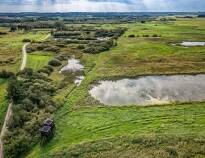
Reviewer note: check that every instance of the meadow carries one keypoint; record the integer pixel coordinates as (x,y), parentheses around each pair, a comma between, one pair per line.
(11,47)
(38,59)
(84,121)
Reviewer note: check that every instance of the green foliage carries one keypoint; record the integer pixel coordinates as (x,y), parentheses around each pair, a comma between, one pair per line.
(54,62)
(132,35)
(14,90)
(6,74)
(26,40)
(31,96)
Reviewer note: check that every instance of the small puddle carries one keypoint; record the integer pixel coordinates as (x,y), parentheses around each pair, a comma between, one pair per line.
(78,80)
(72,66)
(191,44)
(150,90)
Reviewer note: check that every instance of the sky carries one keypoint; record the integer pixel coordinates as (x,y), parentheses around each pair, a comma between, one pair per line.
(102,5)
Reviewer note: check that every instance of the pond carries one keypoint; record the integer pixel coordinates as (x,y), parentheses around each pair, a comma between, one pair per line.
(150,90)
(191,44)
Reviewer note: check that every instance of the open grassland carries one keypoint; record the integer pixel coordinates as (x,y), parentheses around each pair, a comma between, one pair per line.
(82,119)
(3,100)
(155,55)
(87,124)
(11,47)
(148,146)
(38,59)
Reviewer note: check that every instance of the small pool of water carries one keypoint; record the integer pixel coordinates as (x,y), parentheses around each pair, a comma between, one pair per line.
(72,66)
(150,90)
(78,80)
(191,44)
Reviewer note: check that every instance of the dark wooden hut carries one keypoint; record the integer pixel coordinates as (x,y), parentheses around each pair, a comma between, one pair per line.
(47,128)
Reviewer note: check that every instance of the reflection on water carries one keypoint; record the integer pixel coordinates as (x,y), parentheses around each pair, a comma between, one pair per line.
(72,66)
(75,68)
(150,90)
(78,80)
(190,44)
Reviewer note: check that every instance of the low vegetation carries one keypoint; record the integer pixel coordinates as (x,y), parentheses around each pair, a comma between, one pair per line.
(138,146)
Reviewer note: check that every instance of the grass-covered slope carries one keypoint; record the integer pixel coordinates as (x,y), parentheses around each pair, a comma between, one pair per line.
(82,119)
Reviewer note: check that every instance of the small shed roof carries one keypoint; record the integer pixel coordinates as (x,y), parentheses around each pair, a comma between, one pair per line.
(48,122)
(45,129)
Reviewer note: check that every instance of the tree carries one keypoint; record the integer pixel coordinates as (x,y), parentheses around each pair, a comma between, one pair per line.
(14,89)
(59,25)
(13,28)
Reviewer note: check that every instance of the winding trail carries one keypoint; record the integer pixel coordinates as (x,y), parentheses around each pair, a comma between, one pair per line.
(9,110)
(24,56)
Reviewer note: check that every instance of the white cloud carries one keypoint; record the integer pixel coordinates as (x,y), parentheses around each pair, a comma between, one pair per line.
(101,5)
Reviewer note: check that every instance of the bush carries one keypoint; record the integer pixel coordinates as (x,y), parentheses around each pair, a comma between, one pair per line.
(26,40)
(145,35)
(3,33)
(155,35)
(6,74)
(54,62)
(46,69)
(52,49)
(131,36)
(81,46)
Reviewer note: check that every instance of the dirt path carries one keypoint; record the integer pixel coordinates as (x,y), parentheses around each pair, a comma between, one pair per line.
(24,56)
(3,130)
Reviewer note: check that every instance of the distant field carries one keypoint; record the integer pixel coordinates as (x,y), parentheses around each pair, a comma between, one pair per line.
(37,60)
(149,55)
(3,100)
(11,47)
(82,119)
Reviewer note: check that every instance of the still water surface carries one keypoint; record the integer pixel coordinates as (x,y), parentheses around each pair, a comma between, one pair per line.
(150,90)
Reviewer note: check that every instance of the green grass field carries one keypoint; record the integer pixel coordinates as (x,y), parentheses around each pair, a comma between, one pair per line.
(82,119)
(38,59)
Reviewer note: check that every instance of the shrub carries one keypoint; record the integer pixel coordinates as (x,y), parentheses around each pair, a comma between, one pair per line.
(131,36)
(6,74)
(26,40)
(46,69)
(155,35)
(145,35)
(54,62)
(81,46)
(3,33)
(52,49)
